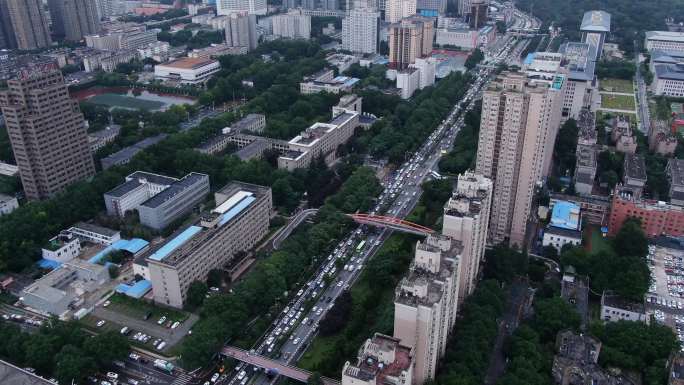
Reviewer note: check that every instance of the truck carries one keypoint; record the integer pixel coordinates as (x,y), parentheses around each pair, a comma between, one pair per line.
(163,365)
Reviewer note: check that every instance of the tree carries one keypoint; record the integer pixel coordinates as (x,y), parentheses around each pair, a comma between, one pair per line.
(631,239)
(475,57)
(215,278)
(553,315)
(314,379)
(336,319)
(196,292)
(73,365)
(106,347)
(113,271)
(565,148)
(500,27)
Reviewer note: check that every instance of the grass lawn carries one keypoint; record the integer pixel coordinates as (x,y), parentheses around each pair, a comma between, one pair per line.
(620,102)
(123,101)
(617,85)
(596,241)
(137,309)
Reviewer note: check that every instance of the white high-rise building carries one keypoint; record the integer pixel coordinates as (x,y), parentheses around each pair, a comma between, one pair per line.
(466,219)
(519,123)
(360,31)
(226,7)
(427,67)
(395,10)
(293,25)
(241,31)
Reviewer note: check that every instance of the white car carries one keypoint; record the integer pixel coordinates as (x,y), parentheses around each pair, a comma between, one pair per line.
(134,356)
(215,377)
(112,376)
(241,375)
(100,323)
(161,320)
(296,341)
(175,325)
(161,345)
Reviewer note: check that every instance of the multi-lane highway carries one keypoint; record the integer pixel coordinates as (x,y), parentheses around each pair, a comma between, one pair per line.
(292,331)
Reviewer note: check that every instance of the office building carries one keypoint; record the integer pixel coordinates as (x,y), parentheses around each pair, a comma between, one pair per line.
(381,360)
(665,40)
(157,51)
(253,7)
(594,29)
(187,70)
(425,302)
(464,7)
(125,155)
(669,80)
(47,132)
(118,36)
(292,25)
(615,308)
(622,135)
(409,39)
(427,68)
(29,23)
(137,188)
(675,175)
(478,13)
(174,202)
(326,81)
(466,219)
(518,130)
(408,81)
(585,169)
(565,227)
(634,178)
(74,19)
(395,10)
(432,8)
(657,217)
(238,222)
(241,31)
(214,51)
(103,137)
(360,31)
(8,204)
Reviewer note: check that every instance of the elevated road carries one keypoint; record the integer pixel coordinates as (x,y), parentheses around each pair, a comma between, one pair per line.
(287,230)
(269,364)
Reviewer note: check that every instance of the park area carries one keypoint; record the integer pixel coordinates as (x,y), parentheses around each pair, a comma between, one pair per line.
(617,102)
(123,101)
(617,85)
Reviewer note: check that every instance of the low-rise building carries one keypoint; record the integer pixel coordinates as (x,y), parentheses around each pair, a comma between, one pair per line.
(326,81)
(175,201)
(88,232)
(101,138)
(634,178)
(250,123)
(408,81)
(62,248)
(595,209)
(214,145)
(565,227)
(585,169)
(622,135)
(615,308)
(8,204)
(216,50)
(138,188)
(125,155)
(108,60)
(427,67)
(187,70)
(675,175)
(239,221)
(662,139)
(669,80)
(657,217)
(7,169)
(659,56)
(64,288)
(381,360)
(664,40)
(158,51)
(341,61)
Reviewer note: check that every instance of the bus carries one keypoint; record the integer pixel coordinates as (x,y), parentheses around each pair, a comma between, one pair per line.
(436,175)
(360,246)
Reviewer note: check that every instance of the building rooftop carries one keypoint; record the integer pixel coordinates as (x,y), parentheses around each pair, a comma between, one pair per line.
(664,56)
(586,156)
(616,301)
(586,123)
(369,365)
(124,188)
(635,167)
(247,121)
(174,189)
(112,130)
(665,36)
(6,198)
(13,375)
(129,152)
(189,63)
(675,168)
(211,142)
(579,59)
(565,215)
(96,229)
(153,178)
(670,71)
(596,21)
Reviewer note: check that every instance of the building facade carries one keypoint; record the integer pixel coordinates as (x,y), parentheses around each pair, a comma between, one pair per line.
(187,70)
(466,219)
(381,359)
(47,132)
(518,130)
(565,227)
(138,187)
(292,25)
(238,222)
(175,201)
(241,31)
(255,7)
(29,23)
(8,204)
(395,10)
(74,19)
(664,40)
(657,218)
(410,38)
(360,31)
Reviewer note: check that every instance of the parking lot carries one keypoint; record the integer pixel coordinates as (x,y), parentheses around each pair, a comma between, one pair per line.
(665,297)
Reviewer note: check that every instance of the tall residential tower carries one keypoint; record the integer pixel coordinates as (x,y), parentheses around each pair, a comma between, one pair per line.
(29,23)
(74,19)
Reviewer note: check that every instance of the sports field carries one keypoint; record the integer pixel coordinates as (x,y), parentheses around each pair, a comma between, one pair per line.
(123,101)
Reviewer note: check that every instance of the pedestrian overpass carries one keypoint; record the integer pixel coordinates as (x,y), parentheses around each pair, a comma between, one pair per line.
(391,223)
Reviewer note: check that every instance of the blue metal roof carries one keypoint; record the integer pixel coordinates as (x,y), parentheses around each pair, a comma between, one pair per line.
(48,264)
(139,289)
(565,215)
(237,209)
(175,243)
(529,58)
(133,246)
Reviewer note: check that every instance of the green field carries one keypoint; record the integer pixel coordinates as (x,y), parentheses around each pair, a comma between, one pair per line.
(617,85)
(619,102)
(597,242)
(123,101)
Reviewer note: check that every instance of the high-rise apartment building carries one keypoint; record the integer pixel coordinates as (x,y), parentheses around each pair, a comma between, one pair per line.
(74,19)
(29,23)
(395,10)
(226,7)
(425,303)
(360,31)
(478,13)
(520,119)
(409,39)
(241,31)
(47,132)
(7,39)
(293,25)
(466,219)
(464,7)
